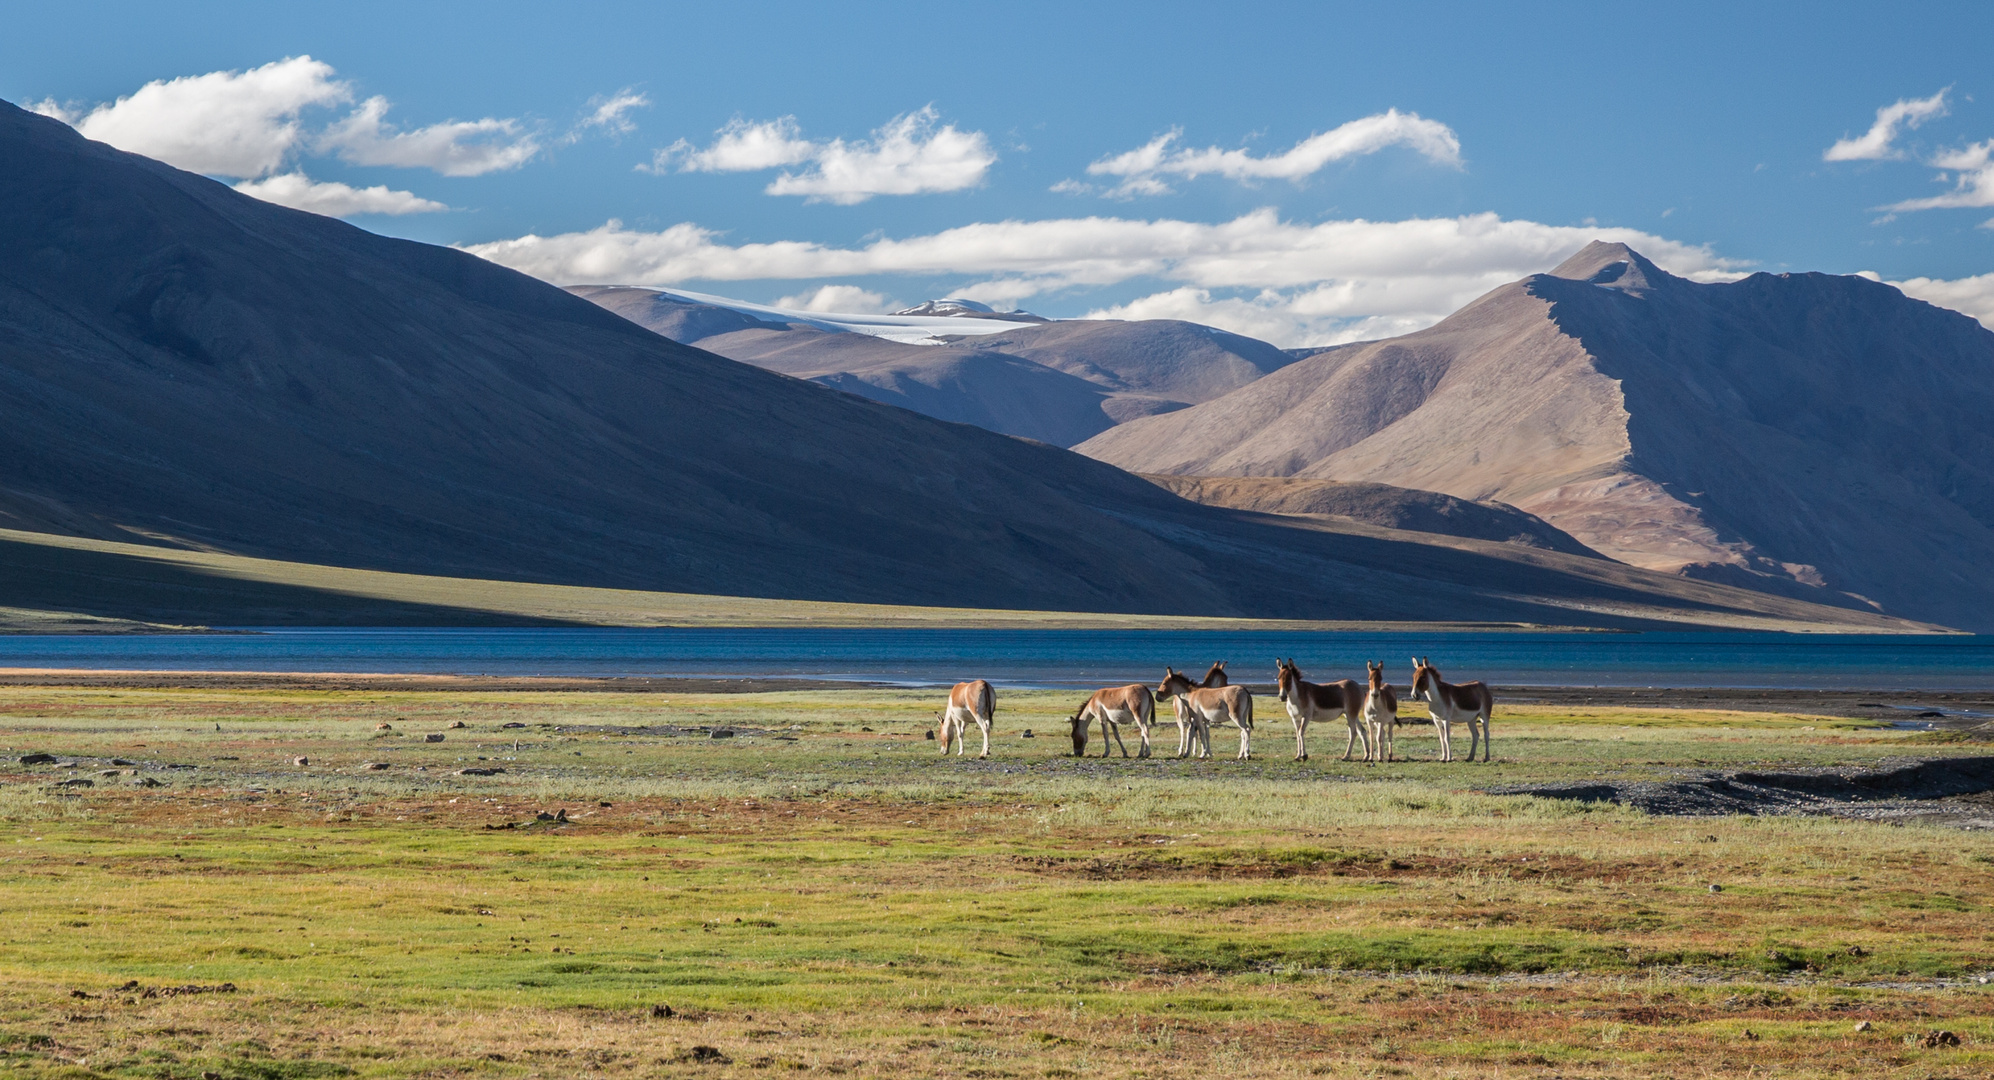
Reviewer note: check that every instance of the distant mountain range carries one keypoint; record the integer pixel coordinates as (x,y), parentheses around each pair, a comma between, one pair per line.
(1815,436)
(188,367)
(1058,382)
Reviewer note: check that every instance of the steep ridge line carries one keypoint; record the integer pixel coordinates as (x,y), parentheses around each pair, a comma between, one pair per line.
(1806,435)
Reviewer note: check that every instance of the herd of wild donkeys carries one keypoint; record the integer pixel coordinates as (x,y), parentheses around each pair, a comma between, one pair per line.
(1371,713)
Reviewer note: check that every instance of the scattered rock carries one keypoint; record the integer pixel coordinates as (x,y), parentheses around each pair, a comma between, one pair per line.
(377,765)
(512,724)
(1028,734)
(1864,1025)
(75,782)
(931,736)
(479,772)
(1717,888)
(662,1012)
(1752,1035)
(1932,1040)
(211,1075)
(454,724)
(865,729)
(37,759)
(122,763)
(705,1055)
(178,765)
(434,736)
(384,727)
(111,772)
(558,816)
(721,733)
(604,803)
(1931,714)
(147,781)
(301,762)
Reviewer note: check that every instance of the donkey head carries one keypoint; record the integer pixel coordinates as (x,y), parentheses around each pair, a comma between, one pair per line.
(1174,682)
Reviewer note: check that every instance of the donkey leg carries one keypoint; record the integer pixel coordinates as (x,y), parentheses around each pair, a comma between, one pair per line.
(985,725)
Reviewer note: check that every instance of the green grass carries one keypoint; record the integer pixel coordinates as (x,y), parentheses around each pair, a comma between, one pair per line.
(852,903)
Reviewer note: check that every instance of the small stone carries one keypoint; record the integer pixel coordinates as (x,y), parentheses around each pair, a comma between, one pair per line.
(512,724)
(1752,1035)
(662,1012)
(1864,1025)
(606,804)
(722,733)
(1717,888)
(931,736)
(147,782)
(301,762)
(37,759)
(454,724)
(377,766)
(122,763)
(384,727)
(1027,734)
(77,782)
(434,736)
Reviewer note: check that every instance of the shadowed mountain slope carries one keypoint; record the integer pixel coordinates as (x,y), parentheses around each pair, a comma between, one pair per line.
(1374,504)
(185,365)
(1812,435)
(1059,382)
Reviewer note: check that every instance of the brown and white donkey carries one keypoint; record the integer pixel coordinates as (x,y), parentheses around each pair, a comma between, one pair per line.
(1450,704)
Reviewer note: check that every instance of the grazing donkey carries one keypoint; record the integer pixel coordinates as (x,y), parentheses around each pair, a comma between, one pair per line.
(1216,677)
(1307,700)
(968,701)
(1467,703)
(1199,706)
(1112,707)
(1381,712)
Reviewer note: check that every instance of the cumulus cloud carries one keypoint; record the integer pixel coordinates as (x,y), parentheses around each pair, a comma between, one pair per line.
(301,192)
(224,123)
(912,154)
(1972,176)
(611,113)
(1142,170)
(453,148)
(1879,142)
(835,299)
(1335,273)
(1971,295)
(741,147)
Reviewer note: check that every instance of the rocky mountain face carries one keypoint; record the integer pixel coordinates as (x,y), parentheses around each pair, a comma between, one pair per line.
(1059,382)
(1804,434)
(186,366)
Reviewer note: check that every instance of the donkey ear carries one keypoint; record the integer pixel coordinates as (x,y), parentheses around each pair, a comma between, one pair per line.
(1417,662)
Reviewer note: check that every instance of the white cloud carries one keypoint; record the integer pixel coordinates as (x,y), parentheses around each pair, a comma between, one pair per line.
(741,147)
(1323,275)
(1142,169)
(910,155)
(1879,142)
(1973,184)
(453,148)
(843,299)
(301,192)
(1971,296)
(611,113)
(224,123)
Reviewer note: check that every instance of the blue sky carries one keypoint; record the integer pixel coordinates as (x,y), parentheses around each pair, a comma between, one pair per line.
(1697,131)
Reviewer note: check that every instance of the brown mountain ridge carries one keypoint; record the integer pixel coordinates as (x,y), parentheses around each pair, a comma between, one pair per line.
(1806,434)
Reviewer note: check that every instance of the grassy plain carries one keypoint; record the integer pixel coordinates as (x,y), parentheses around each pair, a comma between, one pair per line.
(810,897)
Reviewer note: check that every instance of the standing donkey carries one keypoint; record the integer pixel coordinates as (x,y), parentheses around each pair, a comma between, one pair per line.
(1381,711)
(1111,707)
(1307,700)
(968,701)
(1216,676)
(1199,706)
(1450,704)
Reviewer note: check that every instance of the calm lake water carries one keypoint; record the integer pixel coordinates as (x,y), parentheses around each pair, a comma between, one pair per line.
(1048,658)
